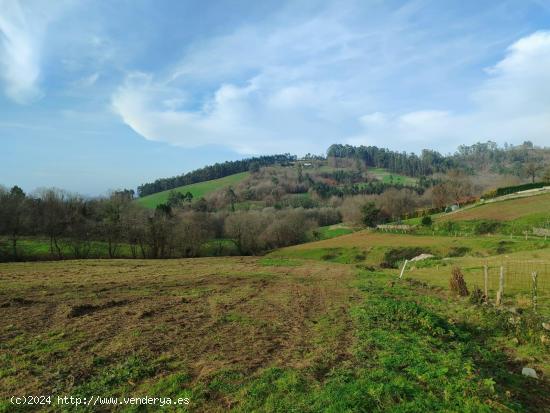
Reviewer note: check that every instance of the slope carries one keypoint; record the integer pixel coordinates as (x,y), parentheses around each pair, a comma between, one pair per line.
(198,190)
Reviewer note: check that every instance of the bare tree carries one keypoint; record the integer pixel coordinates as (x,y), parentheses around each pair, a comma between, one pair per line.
(13,215)
(531,169)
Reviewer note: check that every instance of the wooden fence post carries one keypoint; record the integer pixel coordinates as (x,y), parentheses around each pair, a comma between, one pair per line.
(403,269)
(500,291)
(486,282)
(534,291)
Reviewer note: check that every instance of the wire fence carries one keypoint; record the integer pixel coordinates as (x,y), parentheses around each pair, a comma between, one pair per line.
(514,283)
(517,282)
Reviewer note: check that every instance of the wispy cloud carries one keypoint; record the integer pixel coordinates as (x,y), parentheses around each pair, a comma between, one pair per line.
(19,53)
(23,26)
(306,84)
(512,104)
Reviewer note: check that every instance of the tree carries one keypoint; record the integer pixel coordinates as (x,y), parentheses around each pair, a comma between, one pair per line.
(178,199)
(190,233)
(244,228)
(231,197)
(531,169)
(371,215)
(459,186)
(13,215)
(546,176)
(53,217)
(397,202)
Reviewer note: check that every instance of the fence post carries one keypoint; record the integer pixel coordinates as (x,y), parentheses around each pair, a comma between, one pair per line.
(486,282)
(403,269)
(500,291)
(534,291)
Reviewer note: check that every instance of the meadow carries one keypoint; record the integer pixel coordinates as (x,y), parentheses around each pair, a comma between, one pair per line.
(391,178)
(198,190)
(506,210)
(269,334)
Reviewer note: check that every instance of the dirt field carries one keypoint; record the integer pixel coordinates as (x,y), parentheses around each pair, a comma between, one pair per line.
(63,324)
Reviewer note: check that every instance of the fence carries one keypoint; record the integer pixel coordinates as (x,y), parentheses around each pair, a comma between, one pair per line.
(514,283)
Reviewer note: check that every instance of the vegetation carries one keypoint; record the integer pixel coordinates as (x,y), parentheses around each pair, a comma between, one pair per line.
(326,337)
(216,171)
(197,190)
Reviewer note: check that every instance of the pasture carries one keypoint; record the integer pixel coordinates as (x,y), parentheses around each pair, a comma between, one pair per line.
(507,210)
(391,178)
(256,334)
(369,247)
(198,189)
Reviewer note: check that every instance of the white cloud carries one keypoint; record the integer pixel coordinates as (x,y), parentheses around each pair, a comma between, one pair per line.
(300,87)
(269,92)
(22,28)
(512,104)
(19,54)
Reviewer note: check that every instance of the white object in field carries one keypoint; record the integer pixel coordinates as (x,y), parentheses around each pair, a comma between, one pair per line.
(422,257)
(403,269)
(529,372)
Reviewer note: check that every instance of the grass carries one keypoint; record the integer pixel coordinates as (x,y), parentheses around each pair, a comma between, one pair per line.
(391,178)
(305,336)
(373,245)
(332,231)
(507,210)
(198,190)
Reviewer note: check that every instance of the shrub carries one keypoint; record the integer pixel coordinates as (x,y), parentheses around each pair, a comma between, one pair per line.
(477,296)
(486,227)
(393,256)
(427,221)
(457,283)
(459,251)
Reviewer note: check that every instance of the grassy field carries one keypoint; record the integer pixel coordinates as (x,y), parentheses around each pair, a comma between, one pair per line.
(390,177)
(370,247)
(198,190)
(508,210)
(256,334)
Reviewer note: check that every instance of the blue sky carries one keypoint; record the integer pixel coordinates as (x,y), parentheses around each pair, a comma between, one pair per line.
(99,95)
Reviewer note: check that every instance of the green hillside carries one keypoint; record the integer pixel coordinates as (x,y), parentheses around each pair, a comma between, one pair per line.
(391,178)
(198,190)
(507,210)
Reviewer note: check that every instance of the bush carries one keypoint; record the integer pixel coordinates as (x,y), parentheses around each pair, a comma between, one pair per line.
(370,214)
(486,227)
(427,221)
(395,255)
(457,283)
(459,251)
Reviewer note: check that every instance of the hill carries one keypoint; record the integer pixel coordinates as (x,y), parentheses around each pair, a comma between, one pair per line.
(198,190)
(503,210)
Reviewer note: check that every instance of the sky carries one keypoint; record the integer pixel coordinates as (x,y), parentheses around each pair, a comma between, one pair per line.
(98,95)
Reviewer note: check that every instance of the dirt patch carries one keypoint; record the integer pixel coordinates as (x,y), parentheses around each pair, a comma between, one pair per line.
(84,309)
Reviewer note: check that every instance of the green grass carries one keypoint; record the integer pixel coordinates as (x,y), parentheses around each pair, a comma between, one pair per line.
(198,190)
(30,248)
(364,341)
(332,231)
(390,177)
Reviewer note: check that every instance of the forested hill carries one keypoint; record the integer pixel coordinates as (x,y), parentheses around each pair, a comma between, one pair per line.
(525,159)
(218,170)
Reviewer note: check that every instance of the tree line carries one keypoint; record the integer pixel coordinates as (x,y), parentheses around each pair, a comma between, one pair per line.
(525,160)
(218,170)
(72,226)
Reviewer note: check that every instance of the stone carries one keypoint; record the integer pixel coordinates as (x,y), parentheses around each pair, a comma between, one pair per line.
(546,326)
(529,372)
